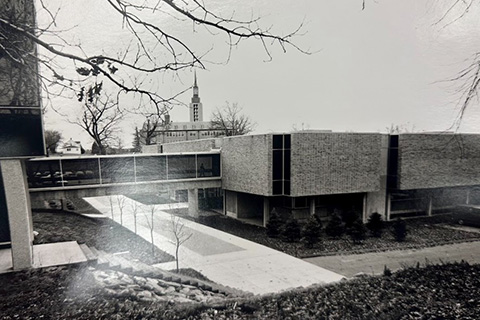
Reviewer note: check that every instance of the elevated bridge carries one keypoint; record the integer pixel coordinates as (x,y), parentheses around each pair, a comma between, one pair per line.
(88,176)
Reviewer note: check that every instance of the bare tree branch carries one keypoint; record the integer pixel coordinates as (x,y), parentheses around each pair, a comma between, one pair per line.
(231,121)
(154,50)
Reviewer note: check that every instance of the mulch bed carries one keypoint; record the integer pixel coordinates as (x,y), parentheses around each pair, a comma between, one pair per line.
(422,233)
(103,234)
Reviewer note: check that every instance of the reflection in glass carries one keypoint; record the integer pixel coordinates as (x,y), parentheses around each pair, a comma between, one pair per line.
(44,174)
(80,172)
(181,167)
(151,168)
(118,169)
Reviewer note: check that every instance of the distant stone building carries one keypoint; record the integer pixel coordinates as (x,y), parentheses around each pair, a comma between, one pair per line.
(194,129)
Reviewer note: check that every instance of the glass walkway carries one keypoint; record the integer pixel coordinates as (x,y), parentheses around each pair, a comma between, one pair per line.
(64,172)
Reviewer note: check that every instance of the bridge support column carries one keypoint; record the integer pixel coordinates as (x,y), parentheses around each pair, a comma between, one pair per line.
(266,211)
(19,211)
(311,206)
(193,203)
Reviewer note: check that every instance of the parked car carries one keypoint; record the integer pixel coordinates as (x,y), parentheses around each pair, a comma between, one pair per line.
(468,215)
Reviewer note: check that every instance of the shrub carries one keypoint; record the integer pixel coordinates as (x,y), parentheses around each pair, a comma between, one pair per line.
(274,224)
(375,225)
(312,231)
(358,231)
(386,271)
(335,228)
(349,217)
(400,230)
(291,230)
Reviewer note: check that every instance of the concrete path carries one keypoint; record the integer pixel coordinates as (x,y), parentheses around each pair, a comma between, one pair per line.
(47,255)
(222,257)
(374,263)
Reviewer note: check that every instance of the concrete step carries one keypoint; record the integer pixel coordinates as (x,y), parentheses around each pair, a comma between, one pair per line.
(91,257)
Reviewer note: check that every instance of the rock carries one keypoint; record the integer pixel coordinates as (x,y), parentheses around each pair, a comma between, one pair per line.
(169,290)
(144,295)
(182,300)
(127,292)
(169,284)
(185,291)
(195,292)
(113,283)
(140,280)
(110,291)
(361,275)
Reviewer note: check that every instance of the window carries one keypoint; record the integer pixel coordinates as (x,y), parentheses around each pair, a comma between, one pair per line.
(281,159)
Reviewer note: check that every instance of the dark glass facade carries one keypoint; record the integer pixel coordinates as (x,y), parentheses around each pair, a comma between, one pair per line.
(67,172)
(281,157)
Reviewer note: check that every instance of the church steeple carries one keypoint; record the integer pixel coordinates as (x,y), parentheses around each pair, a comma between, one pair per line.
(196,108)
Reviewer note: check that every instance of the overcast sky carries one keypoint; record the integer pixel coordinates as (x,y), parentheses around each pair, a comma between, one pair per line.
(373,68)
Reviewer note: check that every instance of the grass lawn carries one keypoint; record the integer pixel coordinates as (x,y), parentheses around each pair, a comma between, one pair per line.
(103,234)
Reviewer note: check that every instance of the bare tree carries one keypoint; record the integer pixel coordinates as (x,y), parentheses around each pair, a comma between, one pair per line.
(135,213)
(52,139)
(179,233)
(131,69)
(149,129)
(100,116)
(121,206)
(150,224)
(137,144)
(110,200)
(231,121)
(403,128)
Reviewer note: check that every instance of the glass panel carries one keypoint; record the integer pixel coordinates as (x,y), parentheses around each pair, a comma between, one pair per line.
(278,142)
(181,167)
(286,187)
(151,168)
(208,165)
(80,172)
(44,174)
(115,170)
(216,165)
(277,165)
(287,141)
(277,187)
(286,165)
(4,225)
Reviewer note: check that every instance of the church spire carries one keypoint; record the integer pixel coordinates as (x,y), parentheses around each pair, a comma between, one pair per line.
(195,87)
(196,108)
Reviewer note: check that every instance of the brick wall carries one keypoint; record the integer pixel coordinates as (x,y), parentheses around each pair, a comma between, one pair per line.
(438,160)
(190,146)
(333,163)
(247,164)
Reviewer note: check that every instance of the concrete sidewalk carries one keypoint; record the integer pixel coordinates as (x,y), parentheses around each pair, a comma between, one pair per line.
(374,263)
(222,257)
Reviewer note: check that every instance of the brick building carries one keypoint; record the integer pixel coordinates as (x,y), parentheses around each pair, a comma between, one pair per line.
(194,129)
(305,173)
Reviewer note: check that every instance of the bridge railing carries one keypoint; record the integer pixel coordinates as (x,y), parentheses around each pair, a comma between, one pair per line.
(99,170)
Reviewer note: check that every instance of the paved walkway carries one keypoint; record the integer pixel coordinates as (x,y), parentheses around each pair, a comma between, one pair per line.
(222,257)
(47,255)
(374,263)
